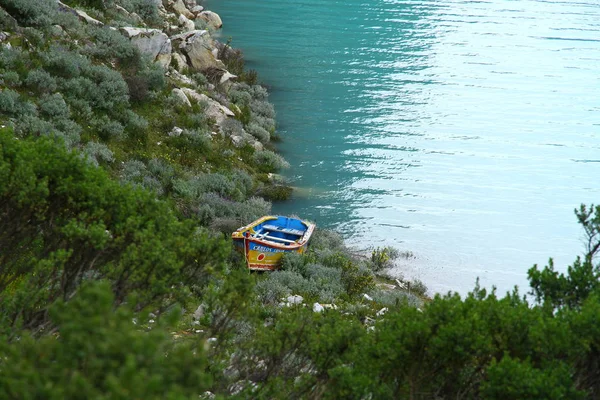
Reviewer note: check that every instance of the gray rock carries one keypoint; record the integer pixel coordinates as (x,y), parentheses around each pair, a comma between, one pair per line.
(179,95)
(227,76)
(318,308)
(180,78)
(55,31)
(175,132)
(85,17)
(238,141)
(258,146)
(180,8)
(197,9)
(207,395)
(197,45)
(190,4)
(5,35)
(82,15)
(212,19)
(186,23)
(213,110)
(199,313)
(295,299)
(179,62)
(152,42)
(382,311)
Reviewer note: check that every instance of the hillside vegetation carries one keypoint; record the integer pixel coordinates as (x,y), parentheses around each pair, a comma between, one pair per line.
(132,143)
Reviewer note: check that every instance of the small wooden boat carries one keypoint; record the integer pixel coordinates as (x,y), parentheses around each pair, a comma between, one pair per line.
(265,240)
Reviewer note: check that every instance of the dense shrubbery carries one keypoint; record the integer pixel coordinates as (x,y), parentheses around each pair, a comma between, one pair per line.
(84,259)
(63,222)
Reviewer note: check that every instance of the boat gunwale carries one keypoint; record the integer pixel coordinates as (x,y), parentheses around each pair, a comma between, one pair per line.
(239,234)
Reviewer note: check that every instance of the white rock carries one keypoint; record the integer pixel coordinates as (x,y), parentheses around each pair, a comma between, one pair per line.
(258,146)
(295,299)
(82,15)
(369,321)
(401,284)
(198,46)
(367,297)
(199,313)
(182,79)
(121,10)
(179,95)
(190,4)
(318,308)
(175,132)
(179,62)
(197,9)
(180,8)
(226,77)
(213,110)
(186,23)
(85,17)
(207,395)
(239,141)
(152,42)
(213,20)
(382,311)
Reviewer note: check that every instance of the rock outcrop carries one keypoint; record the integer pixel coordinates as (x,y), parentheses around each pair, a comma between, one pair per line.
(214,109)
(197,47)
(212,19)
(152,42)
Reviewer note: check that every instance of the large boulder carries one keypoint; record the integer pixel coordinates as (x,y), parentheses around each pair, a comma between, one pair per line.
(212,19)
(214,109)
(185,23)
(152,42)
(179,62)
(197,45)
(181,97)
(82,15)
(180,8)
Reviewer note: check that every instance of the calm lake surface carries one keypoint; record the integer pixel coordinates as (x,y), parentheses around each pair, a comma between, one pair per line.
(465,132)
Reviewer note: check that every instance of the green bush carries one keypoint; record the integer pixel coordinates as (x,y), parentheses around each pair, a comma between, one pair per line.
(10,101)
(65,221)
(10,79)
(110,45)
(268,161)
(135,125)
(97,352)
(98,153)
(258,132)
(383,258)
(41,81)
(54,107)
(31,13)
(265,122)
(64,63)
(107,128)
(263,108)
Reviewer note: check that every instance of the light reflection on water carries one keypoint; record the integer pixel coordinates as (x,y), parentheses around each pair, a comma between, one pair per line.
(464,132)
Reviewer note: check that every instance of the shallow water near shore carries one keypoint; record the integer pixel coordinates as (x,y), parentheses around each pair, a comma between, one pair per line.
(465,132)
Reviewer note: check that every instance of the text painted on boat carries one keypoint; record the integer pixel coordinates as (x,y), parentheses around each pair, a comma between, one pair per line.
(267,249)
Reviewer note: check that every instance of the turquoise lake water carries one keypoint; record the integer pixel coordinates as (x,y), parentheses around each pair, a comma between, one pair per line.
(465,132)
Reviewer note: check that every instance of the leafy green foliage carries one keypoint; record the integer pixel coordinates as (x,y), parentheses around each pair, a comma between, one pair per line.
(582,278)
(87,358)
(63,222)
